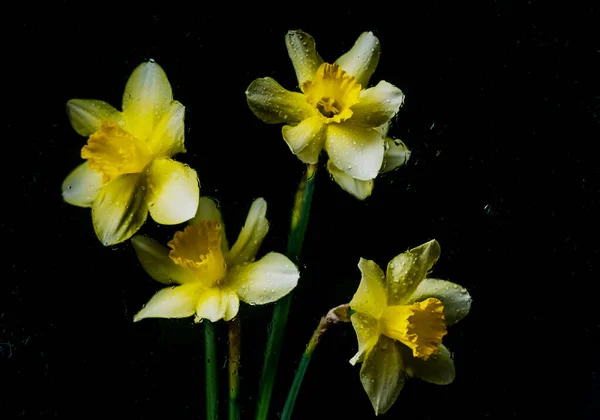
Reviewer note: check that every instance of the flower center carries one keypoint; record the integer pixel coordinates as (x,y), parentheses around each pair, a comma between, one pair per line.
(113,151)
(198,247)
(419,326)
(332,92)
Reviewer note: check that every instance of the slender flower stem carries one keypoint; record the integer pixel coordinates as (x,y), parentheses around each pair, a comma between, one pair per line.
(210,360)
(299,222)
(335,315)
(234,367)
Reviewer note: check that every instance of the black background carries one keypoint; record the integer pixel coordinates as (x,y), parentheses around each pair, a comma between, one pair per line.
(501,114)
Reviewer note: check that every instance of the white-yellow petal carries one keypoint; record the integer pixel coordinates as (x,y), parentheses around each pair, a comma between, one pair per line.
(273,104)
(303,53)
(155,259)
(396,155)
(355,150)
(438,369)
(173,192)
(370,298)
(455,298)
(361,61)
(215,304)
(307,139)
(367,334)
(208,210)
(251,236)
(87,115)
(172,302)
(356,187)
(266,280)
(378,105)
(82,186)
(146,100)
(382,374)
(167,139)
(120,209)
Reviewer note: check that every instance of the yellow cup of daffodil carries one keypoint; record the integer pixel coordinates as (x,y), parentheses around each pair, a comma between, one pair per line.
(128,171)
(335,111)
(400,318)
(210,279)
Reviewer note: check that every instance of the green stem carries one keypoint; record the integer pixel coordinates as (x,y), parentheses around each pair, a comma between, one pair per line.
(234,368)
(210,360)
(299,222)
(338,314)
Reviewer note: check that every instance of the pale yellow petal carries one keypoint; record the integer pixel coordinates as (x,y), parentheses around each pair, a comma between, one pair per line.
(216,304)
(173,192)
(87,115)
(82,186)
(172,302)
(208,210)
(367,334)
(303,53)
(273,104)
(154,258)
(370,297)
(361,61)
(378,105)
(307,139)
(167,139)
(355,150)
(251,236)
(438,369)
(146,100)
(356,187)
(456,299)
(266,280)
(406,271)
(382,374)
(120,209)
(396,155)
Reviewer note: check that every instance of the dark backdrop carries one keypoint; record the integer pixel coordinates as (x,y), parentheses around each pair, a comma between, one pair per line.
(502,115)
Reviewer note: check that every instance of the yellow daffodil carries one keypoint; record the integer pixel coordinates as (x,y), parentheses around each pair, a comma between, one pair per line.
(210,279)
(128,171)
(400,318)
(335,111)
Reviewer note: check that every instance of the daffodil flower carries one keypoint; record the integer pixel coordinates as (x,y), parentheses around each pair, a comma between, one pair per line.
(400,318)
(209,279)
(128,170)
(335,111)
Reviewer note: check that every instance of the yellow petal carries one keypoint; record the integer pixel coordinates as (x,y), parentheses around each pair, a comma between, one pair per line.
(172,302)
(251,236)
(355,150)
(87,115)
(266,280)
(307,139)
(120,209)
(303,53)
(173,192)
(155,259)
(216,303)
(456,299)
(382,374)
(356,187)
(370,297)
(378,105)
(367,334)
(419,326)
(406,271)
(146,100)
(396,155)
(362,58)
(167,139)
(438,369)
(82,186)
(273,104)
(208,211)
